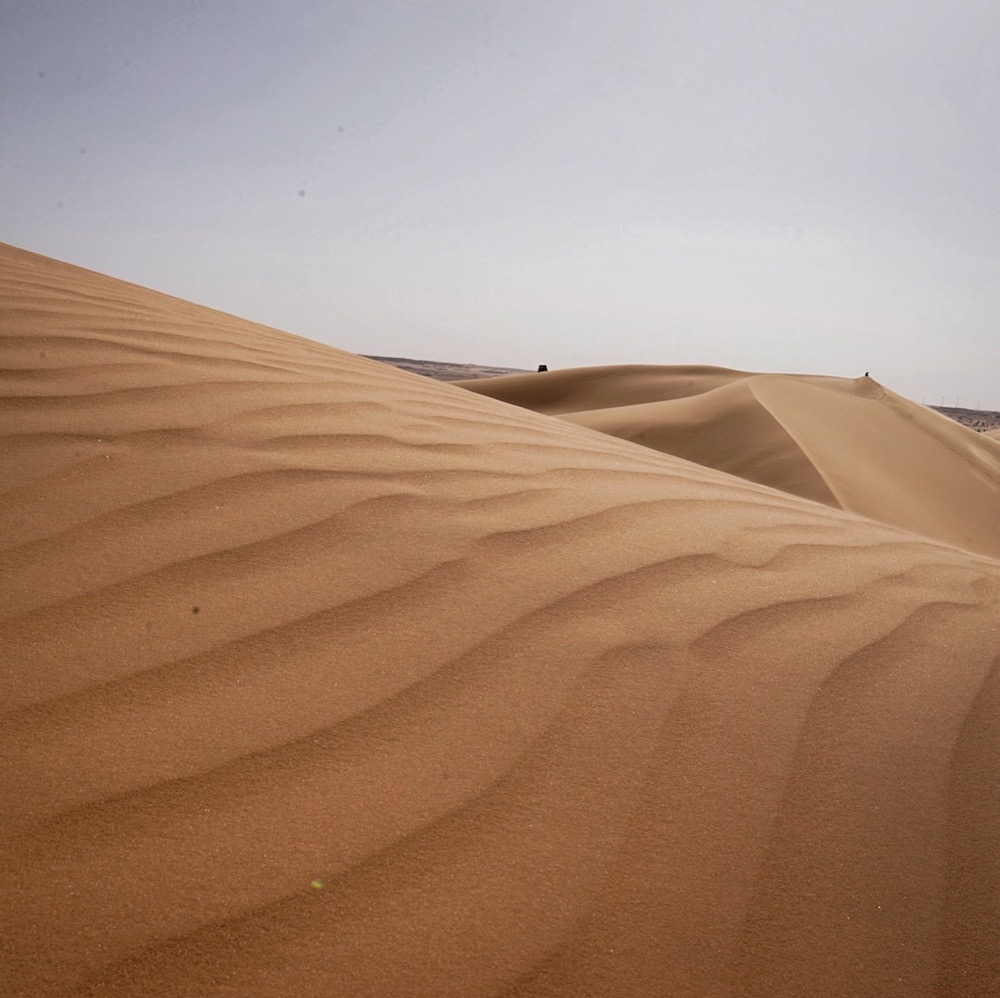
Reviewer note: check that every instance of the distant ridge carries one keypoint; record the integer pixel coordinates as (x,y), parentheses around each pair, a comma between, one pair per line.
(849,443)
(981,420)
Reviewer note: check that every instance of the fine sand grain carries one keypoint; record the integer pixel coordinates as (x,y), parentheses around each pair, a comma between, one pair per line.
(321,678)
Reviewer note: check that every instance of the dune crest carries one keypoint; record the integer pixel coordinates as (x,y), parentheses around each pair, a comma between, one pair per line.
(846,442)
(322,678)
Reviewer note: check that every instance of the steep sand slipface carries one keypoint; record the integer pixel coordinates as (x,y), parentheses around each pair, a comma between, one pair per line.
(892,460)
(725,428)
(321,678)
(844,442)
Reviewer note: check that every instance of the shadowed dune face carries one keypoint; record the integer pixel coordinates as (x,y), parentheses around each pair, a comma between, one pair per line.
(847,443)
(724,428)
(321,678)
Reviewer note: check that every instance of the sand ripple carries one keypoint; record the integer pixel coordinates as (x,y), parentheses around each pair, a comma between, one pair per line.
(322,678)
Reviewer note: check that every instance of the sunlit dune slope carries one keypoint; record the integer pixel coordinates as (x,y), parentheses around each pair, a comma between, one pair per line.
(324,679)
(580,389)
(844,442)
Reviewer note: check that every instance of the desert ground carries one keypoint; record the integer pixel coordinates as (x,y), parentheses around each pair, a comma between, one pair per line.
(980,420)
(325,678)
(849,443)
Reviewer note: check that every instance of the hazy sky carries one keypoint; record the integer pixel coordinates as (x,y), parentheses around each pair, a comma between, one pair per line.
(799,185)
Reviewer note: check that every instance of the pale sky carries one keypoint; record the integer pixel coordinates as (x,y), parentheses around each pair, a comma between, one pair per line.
(790,185)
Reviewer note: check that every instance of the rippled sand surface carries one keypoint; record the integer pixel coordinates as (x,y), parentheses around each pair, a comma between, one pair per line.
(321,678)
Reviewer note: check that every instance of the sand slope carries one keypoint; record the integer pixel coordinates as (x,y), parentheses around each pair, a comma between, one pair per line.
(849,443)
(725,428)
(580,389)
(321,678)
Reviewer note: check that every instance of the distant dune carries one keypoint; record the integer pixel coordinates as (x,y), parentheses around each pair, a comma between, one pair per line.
(849,443)
(321,678)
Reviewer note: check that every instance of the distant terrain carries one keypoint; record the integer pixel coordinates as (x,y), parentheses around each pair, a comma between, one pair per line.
(442,370)
(980,420)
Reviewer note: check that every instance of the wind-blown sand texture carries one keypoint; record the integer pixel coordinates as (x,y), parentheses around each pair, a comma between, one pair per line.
(848,443)
(325,679)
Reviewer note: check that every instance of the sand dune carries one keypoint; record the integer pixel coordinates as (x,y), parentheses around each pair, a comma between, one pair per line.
(849,443)
(325,679)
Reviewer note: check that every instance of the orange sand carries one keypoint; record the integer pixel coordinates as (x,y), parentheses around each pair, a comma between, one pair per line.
(325,679)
